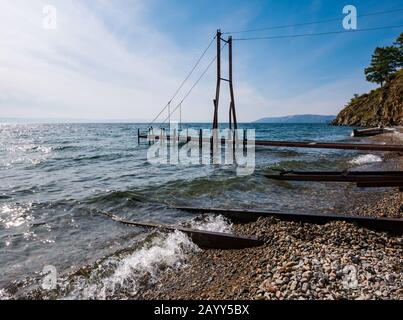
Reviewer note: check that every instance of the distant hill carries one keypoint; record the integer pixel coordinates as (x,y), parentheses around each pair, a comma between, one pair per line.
(301,118)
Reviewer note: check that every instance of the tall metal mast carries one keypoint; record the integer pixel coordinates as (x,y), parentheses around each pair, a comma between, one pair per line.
(232,112)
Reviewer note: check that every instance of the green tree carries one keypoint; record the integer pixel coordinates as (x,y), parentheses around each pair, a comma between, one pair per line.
(399,45)
(399,41)
(385,61)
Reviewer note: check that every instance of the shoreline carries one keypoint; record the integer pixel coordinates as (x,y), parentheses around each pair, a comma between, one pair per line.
(300,260)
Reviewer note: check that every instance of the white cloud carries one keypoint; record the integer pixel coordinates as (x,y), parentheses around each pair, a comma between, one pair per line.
(106,61)
(83,69)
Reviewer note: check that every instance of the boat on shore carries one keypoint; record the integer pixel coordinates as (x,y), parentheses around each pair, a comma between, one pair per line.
(368,132)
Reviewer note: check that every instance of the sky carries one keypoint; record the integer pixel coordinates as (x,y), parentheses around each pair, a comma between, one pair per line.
(103,60)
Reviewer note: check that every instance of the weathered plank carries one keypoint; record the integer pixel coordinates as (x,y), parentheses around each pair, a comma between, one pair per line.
(323,177)
(299,144)
(392,225)
(204,239)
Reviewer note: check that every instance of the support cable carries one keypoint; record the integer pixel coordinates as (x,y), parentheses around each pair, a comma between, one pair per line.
(194,85)
(184,81)
(318,34)
(312,22)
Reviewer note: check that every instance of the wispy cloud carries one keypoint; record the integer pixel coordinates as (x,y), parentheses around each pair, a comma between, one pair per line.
(109,60)
(84,67)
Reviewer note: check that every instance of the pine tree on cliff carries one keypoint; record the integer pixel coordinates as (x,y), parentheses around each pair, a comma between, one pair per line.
(399,45)
(385,62)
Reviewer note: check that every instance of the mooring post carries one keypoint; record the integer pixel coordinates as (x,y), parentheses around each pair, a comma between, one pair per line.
(200,138)
(173,138)
(149,137)
(244,138)
(138,136)
(211,141)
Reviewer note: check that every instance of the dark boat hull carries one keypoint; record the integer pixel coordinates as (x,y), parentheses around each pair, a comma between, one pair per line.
(368,132)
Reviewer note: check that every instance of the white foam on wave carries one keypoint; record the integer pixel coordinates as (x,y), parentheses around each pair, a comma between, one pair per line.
(212,223)
(122,276)
(365,158)
(4,295)
(164,251)
(119,278)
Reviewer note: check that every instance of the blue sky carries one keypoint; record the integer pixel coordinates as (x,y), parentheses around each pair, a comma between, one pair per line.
(123,59)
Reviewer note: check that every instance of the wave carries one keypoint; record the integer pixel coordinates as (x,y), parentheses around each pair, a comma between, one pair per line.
(118,276)
(321,163)
(126,276)
(125,273)
(100,157)
(365,158)
(212,223)
(118,197)
(4,295)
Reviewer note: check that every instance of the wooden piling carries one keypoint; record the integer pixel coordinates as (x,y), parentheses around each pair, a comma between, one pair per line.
(200,138)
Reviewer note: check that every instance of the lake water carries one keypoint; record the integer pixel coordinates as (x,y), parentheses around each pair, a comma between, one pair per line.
(55,178)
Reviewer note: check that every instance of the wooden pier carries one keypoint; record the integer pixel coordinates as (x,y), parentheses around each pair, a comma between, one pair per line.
(287,144)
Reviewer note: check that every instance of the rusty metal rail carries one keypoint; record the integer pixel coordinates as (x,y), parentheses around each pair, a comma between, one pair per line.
(363,179)
(391,225)
(323,176)
(204,239)
(346,172)
(298,144)
(332,145)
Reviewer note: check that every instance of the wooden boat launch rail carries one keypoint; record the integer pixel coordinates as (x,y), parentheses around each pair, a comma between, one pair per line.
(361,178)
(391,225)
(287,144)
(203,238)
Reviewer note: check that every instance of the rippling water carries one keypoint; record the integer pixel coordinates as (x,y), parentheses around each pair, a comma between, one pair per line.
(54,175)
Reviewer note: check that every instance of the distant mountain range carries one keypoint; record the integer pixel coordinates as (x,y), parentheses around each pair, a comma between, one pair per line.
(301,118)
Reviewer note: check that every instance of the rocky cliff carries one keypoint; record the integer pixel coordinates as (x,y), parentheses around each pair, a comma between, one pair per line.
(380,107)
